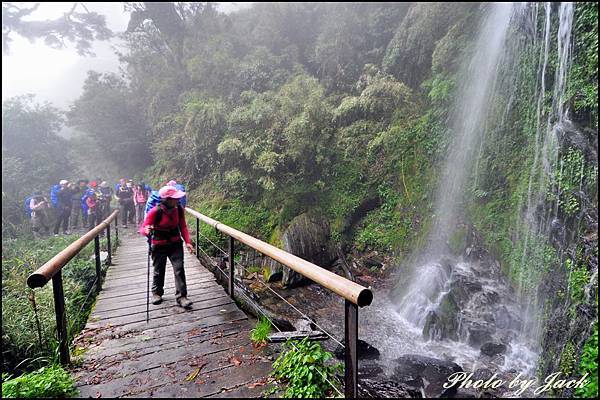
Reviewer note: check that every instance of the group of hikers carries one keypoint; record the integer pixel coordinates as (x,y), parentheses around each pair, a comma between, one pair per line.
(86,203)
(159,215)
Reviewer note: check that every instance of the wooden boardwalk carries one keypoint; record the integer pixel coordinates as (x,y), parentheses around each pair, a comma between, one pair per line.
(201,352)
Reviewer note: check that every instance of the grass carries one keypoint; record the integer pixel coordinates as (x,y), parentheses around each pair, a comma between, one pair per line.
(259,334)
(47,382)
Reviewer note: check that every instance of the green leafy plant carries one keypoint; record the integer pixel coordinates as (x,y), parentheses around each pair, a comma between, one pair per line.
(259,334)
(303,367)
(589,364)
(52,381)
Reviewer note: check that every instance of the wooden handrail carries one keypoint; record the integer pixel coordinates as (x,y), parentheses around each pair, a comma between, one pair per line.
(44,273)
(345,288)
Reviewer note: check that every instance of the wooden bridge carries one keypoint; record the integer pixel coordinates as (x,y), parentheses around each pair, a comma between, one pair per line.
(204,351)
(201,352)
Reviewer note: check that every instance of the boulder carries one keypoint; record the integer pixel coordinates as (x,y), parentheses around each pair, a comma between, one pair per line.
(427,373)
(272,270)
(307,237)
(443,323)
(365,351)
(491,348)
(478,334)
(385,389)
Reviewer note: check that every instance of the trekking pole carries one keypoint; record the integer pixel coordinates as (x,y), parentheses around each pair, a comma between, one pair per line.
(148,280)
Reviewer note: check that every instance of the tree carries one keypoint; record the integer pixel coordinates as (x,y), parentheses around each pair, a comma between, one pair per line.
(33,156)
(79,27)
(107,112)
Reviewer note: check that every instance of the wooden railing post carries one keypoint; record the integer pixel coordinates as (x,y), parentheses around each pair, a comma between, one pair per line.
(231,265)
(197,238)
(98,269)
(351,359)
(117,230)
(61,317)
(109,258)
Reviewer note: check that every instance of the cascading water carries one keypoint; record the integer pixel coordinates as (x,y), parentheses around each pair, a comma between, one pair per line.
(457,305)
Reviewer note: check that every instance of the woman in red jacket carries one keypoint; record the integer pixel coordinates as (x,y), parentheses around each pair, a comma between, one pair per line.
(165,225)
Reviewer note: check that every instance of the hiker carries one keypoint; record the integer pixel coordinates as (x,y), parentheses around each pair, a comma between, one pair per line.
(83,187)
(63,208)
(124,196)
(131,205)
(39,217)
(165,226)
(91,200)
(76,193)
(154,198)
(139,200)
(105,194)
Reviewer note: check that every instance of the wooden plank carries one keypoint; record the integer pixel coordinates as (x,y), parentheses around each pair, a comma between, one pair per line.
(104,378)
(142,293)
(206,308)
(99,352)
(279,337)
(197,319)
(134,306)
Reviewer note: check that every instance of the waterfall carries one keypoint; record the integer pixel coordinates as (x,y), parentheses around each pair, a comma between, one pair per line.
(463,300)
(467,123)
(533,222)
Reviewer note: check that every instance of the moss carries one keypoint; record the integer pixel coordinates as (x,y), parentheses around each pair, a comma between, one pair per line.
(458,240)
(567,359)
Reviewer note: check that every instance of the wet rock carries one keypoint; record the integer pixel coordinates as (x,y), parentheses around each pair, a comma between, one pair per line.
(373,260)
(365,351)
(386,389)
(369,370)
(443,323)
(491,348)
(307,237)
(478,335)
(425,372)
(272,270)
(482,374)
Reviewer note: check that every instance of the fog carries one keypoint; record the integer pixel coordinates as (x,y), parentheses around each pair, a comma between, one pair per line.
(57,75)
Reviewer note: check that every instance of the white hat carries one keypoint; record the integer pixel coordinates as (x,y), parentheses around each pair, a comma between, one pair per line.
(63,182)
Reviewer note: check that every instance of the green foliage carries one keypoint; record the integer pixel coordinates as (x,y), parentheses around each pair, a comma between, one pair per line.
(303,368)
(589,365)
(409,54)
(52,381)
(261,331)
(567,359)
(21,347)
(572,174)
(583,75)
(33,155)
(578,279)
(111,118)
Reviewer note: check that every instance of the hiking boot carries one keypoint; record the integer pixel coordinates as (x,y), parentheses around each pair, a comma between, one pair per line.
(184,302)
(124,226)
(156,299)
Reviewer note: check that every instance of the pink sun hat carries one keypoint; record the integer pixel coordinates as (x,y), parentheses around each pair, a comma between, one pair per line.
(170,191)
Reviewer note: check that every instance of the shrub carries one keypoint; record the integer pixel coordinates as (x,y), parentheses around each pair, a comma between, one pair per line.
(261,331)
(303,368)
(52,381)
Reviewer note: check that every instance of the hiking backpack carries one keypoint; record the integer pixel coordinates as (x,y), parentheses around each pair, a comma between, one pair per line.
(54,195)
(154,199)
(28,210)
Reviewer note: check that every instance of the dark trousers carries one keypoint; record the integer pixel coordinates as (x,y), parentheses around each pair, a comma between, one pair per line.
(94,219)
(84,218)
(62,217)
(127,212)
(159,260)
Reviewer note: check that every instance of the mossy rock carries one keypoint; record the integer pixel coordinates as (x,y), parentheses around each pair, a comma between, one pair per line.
(308,237)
